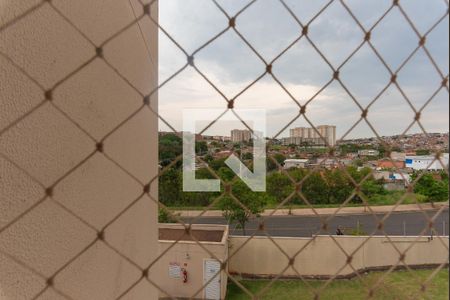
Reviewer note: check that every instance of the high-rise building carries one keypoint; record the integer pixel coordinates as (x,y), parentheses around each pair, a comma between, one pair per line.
(329,133)
(325,135)
(238,135)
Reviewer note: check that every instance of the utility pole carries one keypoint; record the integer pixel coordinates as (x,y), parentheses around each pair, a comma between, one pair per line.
(404,228)
(443,228)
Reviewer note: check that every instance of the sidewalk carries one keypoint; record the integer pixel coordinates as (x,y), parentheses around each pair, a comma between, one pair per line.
(324,211)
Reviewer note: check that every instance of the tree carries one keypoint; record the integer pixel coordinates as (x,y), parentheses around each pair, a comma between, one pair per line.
(356,174)
(350,148)
(201,148)
(371,187)
(297,174)
(198,198)
(339,186)
(315,189)
(280,158)
(279,186)
(218,163)
(436,190)
(165,217)
(271,165)
(170,147)
(170,187)
(253,202)
(247,156)
(208,158)
(423,152)
(226,173)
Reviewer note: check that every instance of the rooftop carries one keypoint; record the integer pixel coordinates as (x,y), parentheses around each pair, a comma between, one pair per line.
(201,233)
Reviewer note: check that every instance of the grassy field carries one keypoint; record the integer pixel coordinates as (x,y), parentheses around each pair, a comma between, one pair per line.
(397,285)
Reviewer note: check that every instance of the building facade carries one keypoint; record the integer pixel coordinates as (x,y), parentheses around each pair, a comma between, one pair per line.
(323,135)
(368,152)
(306,142)
(238,136)
(426,162)
(295,163)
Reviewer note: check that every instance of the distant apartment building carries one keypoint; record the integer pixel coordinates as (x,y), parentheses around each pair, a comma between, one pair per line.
(426,162)
(238,136)
(323,135)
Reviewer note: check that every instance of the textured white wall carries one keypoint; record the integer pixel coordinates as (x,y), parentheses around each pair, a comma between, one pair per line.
(58,187)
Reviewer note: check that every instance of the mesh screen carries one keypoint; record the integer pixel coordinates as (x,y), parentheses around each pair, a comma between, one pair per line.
(335,76)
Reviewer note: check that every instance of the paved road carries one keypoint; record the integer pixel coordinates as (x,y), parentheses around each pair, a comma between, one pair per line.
(402,223)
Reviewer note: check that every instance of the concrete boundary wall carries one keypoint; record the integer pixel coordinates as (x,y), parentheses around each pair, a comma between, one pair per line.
(321,257)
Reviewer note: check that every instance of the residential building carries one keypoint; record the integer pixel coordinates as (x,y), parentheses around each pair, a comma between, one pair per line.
(398,156)
(306,142)
(392,176)
(426,162)
(219,138)
(238,135)
(327,163)
(389,164)
(368,152)
(245,135)
(434,142)
(329,133)
(323,135)
(295,163)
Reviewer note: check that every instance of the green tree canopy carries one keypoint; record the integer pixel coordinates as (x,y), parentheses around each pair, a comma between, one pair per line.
(253,202)
(428,185)
(170,147)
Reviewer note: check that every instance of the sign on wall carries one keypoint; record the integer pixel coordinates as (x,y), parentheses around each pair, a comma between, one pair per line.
(174,270)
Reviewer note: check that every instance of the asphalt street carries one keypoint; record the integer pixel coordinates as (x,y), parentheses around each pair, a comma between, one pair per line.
(397,224)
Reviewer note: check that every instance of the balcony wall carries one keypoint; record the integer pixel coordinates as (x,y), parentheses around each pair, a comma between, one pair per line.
(77,146)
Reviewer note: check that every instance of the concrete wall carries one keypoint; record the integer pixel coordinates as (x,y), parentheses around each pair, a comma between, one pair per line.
(52,144)
(321,257)
(190,256)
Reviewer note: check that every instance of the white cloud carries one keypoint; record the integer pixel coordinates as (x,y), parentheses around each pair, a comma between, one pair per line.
(231,65)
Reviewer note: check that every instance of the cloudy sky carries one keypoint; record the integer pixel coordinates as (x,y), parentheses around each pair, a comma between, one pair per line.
(231,65)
